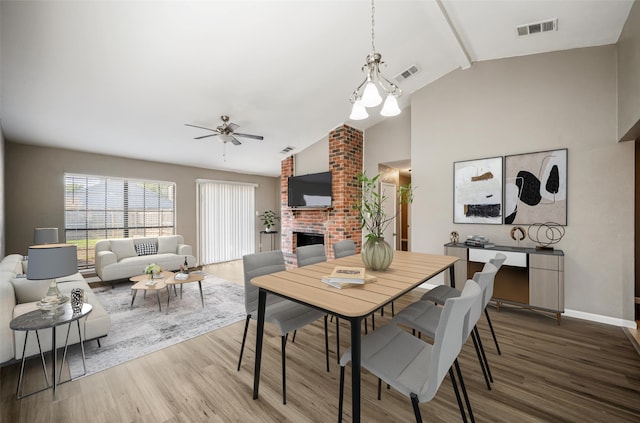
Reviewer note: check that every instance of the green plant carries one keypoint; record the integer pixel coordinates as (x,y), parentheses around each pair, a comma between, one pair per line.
(152,269)
(269,218)
(370,205)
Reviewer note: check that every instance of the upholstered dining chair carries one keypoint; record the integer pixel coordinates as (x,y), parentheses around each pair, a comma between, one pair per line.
(412,366)
(310,254)
(441,292)
(344,248)
(424,317)
(286,315)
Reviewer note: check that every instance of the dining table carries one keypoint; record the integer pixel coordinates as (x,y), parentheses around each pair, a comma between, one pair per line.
(304,285)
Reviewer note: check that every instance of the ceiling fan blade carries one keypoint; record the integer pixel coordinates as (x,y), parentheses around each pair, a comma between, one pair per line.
(206,136)
(232,126)
(201,127)
(255,137)
(234,140)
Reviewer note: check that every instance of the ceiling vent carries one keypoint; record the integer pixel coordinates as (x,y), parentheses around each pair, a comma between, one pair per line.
(537,28)
(411,70)
(287,149)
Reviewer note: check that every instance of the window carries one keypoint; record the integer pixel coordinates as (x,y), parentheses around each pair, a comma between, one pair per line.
(226,220)
(98,207)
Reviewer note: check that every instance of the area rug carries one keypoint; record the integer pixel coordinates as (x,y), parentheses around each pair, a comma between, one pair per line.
(143,329)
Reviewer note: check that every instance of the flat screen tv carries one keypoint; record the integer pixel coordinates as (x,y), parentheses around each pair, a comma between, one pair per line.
(313,190)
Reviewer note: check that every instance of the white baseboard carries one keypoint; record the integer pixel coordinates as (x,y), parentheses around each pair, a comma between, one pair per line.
(580,315)
(600,318)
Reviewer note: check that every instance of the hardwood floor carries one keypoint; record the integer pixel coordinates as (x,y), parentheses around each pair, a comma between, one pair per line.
(579,371)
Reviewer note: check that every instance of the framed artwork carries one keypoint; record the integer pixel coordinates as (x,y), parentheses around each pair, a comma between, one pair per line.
(477,191)
(536,188)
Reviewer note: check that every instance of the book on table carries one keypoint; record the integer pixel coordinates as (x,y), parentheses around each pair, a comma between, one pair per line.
(329,281)
(344,276)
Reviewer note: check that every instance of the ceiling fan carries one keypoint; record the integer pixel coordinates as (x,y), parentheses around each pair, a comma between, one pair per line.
(226,132)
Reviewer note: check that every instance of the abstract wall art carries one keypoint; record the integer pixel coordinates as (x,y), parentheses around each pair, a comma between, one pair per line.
(477,191)
(536,188)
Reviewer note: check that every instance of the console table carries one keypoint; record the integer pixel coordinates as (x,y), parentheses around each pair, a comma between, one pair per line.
(529,278)
(272,234)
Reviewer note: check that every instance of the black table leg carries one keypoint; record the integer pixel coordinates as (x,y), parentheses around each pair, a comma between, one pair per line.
(262,301)
(355,367)
(452,276)
(201,296)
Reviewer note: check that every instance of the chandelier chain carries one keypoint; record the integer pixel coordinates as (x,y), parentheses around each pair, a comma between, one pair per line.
(373,24)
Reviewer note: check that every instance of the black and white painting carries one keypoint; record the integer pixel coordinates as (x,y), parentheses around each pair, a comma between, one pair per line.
(536,188)
(478,191)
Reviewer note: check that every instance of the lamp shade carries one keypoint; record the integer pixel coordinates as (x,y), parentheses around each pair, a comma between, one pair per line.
(45,236)
(358,112)
(390,107)
(52,261)
(371,96)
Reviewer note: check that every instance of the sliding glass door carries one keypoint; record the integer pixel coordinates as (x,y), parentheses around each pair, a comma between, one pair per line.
(226,220)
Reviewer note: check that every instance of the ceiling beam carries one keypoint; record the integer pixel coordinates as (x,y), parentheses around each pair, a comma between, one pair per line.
(465,59)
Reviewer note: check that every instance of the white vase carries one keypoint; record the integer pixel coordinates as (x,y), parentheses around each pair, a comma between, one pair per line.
(377,254)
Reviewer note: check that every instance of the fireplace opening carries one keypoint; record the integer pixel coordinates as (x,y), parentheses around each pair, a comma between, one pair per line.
(308,238)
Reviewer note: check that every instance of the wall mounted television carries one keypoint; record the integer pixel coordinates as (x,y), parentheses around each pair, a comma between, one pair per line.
(311,191)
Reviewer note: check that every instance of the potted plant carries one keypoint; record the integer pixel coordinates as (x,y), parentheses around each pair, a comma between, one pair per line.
(269,218)
(377,254)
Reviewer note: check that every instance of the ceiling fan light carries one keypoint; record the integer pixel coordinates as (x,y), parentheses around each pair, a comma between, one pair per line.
(358,111)
(390,107)
(371,96)
(225,137)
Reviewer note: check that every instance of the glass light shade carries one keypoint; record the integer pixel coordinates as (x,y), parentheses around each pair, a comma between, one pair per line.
(358,111)
(370,96)
(390,107)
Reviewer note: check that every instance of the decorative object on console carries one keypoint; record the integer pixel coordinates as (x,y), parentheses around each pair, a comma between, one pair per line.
(268,219)
(45,236)
(477,191)
(77,299)
(479,241)
(536,187)
(51,261)
(366,94)
(376,253)
(454,237)
(518,233)
(546,234)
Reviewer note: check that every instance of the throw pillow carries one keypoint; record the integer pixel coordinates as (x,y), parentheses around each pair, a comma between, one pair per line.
(168,244)
(28,290)
(146,248)
(123,248)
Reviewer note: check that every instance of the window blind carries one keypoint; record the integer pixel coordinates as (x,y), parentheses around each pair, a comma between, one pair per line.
(226,222)
(98,207)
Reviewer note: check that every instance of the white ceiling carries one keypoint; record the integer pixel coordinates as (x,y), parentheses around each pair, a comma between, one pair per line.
(123,77)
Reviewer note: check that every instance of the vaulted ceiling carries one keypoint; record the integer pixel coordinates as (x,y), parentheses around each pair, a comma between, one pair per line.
(123,77)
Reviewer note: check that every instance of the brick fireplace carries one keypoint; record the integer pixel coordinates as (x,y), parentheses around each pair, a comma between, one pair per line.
(338,222)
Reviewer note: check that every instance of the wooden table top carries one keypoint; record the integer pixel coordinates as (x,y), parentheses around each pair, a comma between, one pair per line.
(160,282)
(193,277)
(407,271)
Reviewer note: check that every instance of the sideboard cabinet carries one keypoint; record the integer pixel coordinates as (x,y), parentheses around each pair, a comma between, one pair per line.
(529,278)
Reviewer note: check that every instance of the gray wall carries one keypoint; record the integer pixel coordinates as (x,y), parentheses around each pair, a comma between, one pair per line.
(2,208)
(527,104)
(35,188)
(628,80)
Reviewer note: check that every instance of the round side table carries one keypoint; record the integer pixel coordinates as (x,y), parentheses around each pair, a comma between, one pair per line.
(38,320)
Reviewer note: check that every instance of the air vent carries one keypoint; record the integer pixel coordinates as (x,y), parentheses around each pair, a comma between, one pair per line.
(287,149)
(537,27)
(411,70)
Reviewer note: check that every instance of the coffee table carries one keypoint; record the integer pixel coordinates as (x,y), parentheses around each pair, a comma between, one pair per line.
(142,284)
(193,277)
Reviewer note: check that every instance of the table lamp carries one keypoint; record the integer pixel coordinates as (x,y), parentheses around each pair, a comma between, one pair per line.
(45,236)
(51,261)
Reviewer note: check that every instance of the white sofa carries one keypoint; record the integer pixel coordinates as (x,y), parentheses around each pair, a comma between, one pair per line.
(121,258)
(18,295)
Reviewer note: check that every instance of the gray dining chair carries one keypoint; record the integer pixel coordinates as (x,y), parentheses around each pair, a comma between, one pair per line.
(310,254)
(424,317)
(410,365)
(344,248)
(286,315)
(441,292)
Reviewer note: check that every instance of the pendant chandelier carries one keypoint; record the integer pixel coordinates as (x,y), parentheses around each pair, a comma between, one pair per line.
(367,94)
